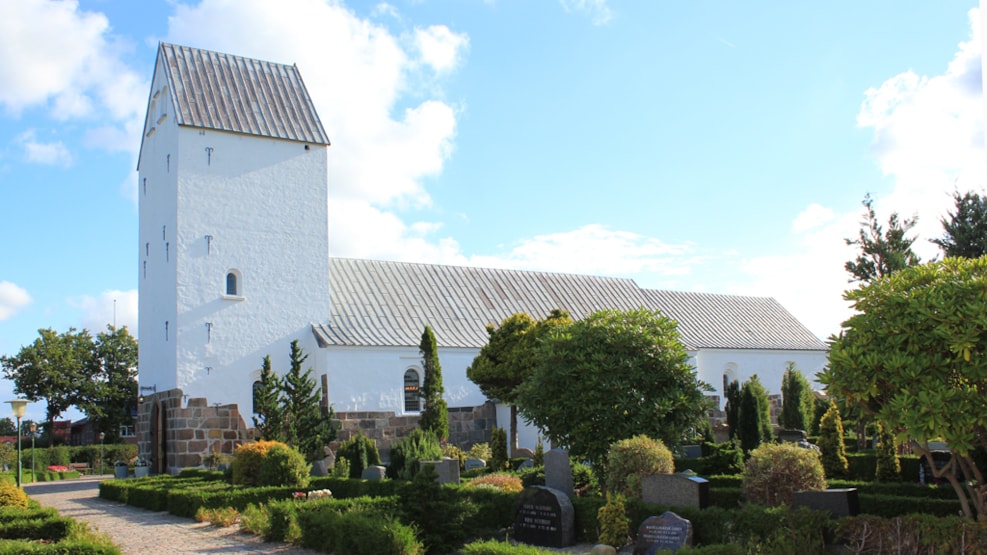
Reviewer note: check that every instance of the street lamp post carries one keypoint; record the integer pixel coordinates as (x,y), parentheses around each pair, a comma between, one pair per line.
(33,428)
(101,436)
(19,407)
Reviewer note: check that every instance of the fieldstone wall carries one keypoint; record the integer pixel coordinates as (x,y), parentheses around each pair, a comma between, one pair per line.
(191,431)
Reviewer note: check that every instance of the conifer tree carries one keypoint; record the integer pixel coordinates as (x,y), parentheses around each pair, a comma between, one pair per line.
(754,426)
(268,416)
(831,443)
(797,400)
(965,232)
(732,395)
(307,426)
(435,415)
(888,466)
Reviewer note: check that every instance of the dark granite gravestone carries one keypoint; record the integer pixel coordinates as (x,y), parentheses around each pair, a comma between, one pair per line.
(558,473)
(668,531)
(446,470)
(472,463)
(544,517)
(675,490)
(692,451)
(374,473)
(837,502)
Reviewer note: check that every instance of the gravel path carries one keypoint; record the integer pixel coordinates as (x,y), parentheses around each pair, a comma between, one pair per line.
(140,532)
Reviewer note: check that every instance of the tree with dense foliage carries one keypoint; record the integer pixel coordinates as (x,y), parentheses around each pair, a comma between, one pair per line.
(499,459)
(7,427)
(732,408)
(797,400)
(631,459)
(435,414)
(508,359)
(611,376)
(268,399)
(965,231)
(307,424)
(888,466)
(831,446)
(915,356)
(881,252)
(754,416)
(54,369)
(775,471)
(110,396)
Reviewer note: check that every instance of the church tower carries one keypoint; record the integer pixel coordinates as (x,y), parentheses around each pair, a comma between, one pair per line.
(234,245)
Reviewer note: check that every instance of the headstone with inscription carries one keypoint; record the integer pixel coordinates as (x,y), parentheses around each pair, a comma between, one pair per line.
(558,473)
(675,490)
(544,517)
(668,531)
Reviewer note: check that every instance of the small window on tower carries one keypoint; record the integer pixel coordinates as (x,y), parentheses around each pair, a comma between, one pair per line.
(231,284)
(234,286)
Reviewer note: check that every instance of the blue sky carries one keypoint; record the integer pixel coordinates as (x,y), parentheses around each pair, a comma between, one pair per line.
(703,146)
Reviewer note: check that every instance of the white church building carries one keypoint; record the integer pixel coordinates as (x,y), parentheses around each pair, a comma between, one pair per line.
(235,265)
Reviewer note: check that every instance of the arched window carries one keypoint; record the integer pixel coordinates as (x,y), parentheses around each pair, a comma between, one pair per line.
(232,284)
(412,395)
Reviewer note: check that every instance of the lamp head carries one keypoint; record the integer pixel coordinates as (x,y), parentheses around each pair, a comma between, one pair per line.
(19,407)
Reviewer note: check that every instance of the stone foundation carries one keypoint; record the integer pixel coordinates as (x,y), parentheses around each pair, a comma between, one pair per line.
(191,432)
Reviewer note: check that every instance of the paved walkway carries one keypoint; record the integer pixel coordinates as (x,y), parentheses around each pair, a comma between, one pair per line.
(141,532)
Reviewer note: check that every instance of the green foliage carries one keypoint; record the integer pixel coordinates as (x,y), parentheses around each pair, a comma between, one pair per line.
(831,445)
(409,451)
(342,468)
(435,414)
(611,376)
(754,416)
(268,417)
(12,496)
(59,455)
(798,401)
(965,232)
(247,461)
(480,451)
(367,533)
(361,452)
(110,398)
(306,425)
(732,408)
(492,547)
(538,457)
(881,252)
(915,356)
(284,466)
(912,534)
(438,512)
(498,449)
(614,529)
(720,458)
(282,524)
(888,468)
(774,471)
(632,459)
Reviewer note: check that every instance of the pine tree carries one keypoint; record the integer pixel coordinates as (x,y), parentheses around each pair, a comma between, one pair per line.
(268,416)
(797,400)
(881,252)
(435,415)
(965,232)
(831,443)
(306,426)
(732,395)
(754,426)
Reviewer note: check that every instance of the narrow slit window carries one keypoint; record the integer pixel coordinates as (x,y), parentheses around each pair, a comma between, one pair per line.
(412,391)
(232,285)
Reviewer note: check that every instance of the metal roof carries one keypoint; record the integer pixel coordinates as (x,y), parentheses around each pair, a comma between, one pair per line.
(212,90)
(377,303)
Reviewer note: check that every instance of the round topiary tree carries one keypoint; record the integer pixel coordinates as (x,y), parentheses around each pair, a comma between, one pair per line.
(774,471)
(247,460)
(284,466)
(632,459)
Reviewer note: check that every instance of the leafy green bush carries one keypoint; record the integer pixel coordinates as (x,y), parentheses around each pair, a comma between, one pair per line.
(282,525)
(409,450)
(362,533)
(498,449)
(614,529)
(831,445)
(630,460)
(361,452)
(247,460)
(12,496)
(912,534)
(438,512)
(284,466)
(491,547)
(774,471)
(59,455)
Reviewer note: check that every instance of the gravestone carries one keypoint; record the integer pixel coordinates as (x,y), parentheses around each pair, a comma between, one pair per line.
(692,451)
(668,531)
(544,517)
(558,473)
(837,502)
(447,470)
(675,490)
(528,463)
(374,473)
(474,463)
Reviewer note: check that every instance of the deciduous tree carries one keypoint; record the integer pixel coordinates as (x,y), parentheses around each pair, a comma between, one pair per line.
(915,355)
(614,375)
(109,398)
(881,252)
(435,414)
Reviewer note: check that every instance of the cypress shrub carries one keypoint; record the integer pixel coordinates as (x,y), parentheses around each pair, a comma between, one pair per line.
(417,446)
(361,452)
(834,459)
(797,400)
(888,469)
(498,449)
(614,529)
(732,395)
(754,426)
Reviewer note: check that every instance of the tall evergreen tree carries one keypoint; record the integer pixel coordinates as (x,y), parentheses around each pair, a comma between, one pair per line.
(268,410)
(881,252)
(797,401)
(435,415)
(733,407)
(831,443)
(965,231)
(306,425)
(754,426)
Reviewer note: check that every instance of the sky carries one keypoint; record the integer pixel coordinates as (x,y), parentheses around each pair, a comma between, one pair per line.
(702,145)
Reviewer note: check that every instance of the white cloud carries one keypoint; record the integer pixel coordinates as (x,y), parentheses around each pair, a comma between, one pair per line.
(812,217)
(597,10)
(12,298)
(50,154)
(441,48)
(109,306)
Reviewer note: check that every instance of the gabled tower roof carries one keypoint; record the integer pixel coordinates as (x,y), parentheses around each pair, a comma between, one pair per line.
(212,90)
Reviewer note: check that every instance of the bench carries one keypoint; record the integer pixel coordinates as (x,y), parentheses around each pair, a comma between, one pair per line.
(81,468)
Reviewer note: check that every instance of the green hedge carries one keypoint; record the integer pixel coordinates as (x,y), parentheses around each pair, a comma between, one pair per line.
(43,531)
